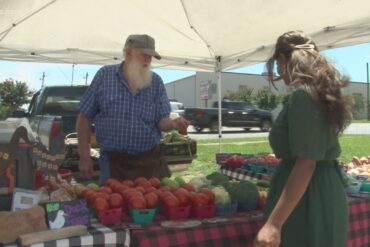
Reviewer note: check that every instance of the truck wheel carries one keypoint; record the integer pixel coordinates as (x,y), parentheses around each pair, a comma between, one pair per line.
(265,125)
(198,129)
(214,126)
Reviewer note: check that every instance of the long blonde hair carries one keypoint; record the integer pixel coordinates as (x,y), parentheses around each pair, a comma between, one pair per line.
(308,68)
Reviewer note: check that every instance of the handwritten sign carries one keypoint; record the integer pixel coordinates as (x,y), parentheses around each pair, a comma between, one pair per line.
(68,213)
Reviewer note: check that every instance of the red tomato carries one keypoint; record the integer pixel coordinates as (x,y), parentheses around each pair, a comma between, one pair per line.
(137,202)
(151,200)
(150,189)
(171,201)
(199,199)
(132,193)
(111,181)
(115,200)
(165,188)
(101,204)
(183,198)
(105,189)
(144,184)
(86,192)
(91,196)
(128,182)
(155,182)
(139,180)
(139,188)
(188,187)
(103,195)
(209,193)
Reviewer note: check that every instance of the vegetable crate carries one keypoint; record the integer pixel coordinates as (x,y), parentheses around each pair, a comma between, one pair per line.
(180,148)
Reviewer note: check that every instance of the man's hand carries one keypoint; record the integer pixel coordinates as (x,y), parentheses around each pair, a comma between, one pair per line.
(86,167)
(182,125)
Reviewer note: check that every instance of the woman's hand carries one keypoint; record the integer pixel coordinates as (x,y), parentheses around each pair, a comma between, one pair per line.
(268,236)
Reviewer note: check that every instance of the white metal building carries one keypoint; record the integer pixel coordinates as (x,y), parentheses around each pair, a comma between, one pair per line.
(192,91)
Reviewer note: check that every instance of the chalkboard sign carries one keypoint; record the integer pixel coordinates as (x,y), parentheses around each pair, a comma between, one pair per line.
(68,213)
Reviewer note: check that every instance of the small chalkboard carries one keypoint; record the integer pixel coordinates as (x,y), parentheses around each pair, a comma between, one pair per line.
(68,213)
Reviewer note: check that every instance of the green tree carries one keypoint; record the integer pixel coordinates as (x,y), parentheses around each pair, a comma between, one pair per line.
(244,94)
(266,99)
(13,95)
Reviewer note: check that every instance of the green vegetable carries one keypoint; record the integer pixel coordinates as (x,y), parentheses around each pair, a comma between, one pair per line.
(180,181)
(222,197)
(217,178)
(200,182)
(169,182)
(263,184)
(245,193)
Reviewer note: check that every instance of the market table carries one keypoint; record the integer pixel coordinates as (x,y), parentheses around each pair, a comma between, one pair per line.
(98,235)
(241,229)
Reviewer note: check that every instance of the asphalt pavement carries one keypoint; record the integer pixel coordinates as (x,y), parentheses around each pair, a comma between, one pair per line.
(353,129)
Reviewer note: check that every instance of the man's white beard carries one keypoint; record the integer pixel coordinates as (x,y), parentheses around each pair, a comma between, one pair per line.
(139,74)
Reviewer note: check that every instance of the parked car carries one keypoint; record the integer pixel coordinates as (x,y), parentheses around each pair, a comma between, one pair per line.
(177,109)
(234,114)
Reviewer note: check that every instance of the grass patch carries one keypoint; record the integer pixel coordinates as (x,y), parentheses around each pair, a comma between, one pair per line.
(352,145)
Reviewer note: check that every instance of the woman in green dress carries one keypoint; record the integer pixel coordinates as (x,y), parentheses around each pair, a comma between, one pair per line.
(307,205)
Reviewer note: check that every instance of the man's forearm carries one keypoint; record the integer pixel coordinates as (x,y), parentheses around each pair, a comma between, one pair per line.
(167,124)
(83,128)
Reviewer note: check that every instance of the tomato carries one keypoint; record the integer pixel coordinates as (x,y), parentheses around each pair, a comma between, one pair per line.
(151,200)
(103,195)
(150,189)
(128,182)
(137,202)
(155,182)
(165,194)
(101,204)
(171,201)
(91,196)
(211,195)
(144,184)
(139,180)
(165,188)
(115,200)
(132,193)
(188,187)
(86,192)
(105,189)
(111,182)
(139,188)
(183,198)
(199,199)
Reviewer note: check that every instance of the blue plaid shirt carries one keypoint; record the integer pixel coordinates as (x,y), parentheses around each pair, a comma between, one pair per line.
(125,122)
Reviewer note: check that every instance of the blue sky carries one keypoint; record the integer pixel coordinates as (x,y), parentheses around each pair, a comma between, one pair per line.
(350,60)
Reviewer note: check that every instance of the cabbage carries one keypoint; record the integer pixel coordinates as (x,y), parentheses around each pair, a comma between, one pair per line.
(200,182)
(222,197)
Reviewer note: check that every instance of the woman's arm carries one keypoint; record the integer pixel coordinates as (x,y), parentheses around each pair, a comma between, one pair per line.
(293,191)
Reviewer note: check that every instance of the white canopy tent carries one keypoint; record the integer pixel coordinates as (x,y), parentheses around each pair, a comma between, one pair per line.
(202,35)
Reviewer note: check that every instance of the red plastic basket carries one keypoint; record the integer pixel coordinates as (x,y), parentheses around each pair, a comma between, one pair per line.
(110,216)
(205,211)
(176,213)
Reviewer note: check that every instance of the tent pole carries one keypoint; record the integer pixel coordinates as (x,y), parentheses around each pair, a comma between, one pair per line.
(218,75)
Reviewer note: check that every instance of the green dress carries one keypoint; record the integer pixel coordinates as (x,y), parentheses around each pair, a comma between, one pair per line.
(321,216)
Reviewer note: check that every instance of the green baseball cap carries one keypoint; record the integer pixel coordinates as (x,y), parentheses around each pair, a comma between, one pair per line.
(144,42)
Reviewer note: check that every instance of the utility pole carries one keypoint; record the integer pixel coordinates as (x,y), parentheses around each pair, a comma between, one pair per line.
(42,79)
(367,92)
(86,76)
(73,72)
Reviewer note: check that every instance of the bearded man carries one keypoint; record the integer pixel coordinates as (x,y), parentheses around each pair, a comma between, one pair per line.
(129,107)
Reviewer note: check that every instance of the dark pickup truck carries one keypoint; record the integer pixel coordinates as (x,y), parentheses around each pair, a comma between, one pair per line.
(234,114)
